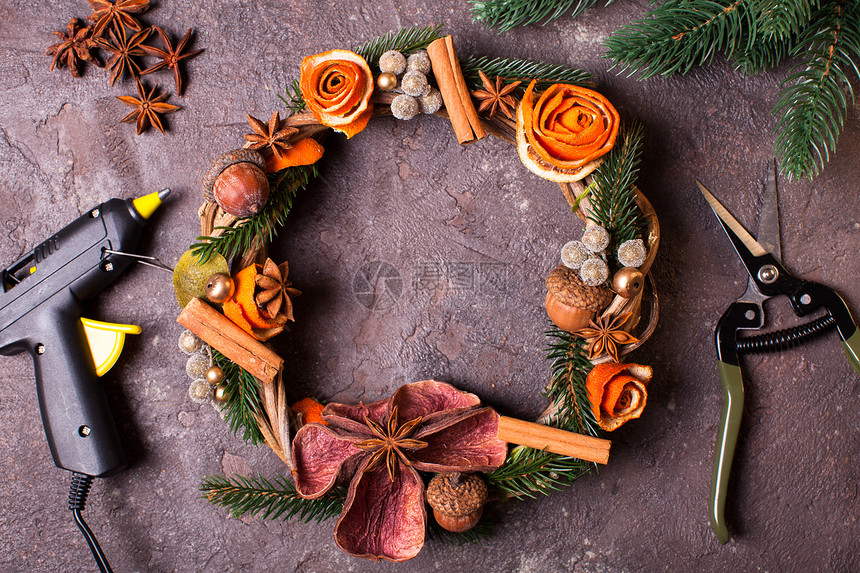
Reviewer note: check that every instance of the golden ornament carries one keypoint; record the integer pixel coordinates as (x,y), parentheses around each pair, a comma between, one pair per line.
(214,376)
(219,288)
(628,282)
(386,81)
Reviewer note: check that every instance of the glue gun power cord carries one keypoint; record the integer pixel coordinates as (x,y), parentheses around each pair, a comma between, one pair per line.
(77,500)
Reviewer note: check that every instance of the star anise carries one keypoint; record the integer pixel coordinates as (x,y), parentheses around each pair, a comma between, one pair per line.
(605,334)
(123,48)
(389,441)
(271,135)
(116,15)
(170,57)
(277,290)
(148,107)
(496,97)
(75,45)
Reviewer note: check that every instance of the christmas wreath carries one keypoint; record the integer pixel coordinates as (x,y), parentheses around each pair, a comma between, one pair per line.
(379,465)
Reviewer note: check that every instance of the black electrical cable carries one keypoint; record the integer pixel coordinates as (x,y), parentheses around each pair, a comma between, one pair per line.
(77,500)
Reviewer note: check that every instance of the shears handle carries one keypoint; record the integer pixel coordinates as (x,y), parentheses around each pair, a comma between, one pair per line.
(738,315)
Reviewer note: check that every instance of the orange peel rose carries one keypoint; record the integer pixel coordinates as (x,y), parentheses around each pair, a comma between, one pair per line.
(617,392)
(337,86)
(564,134)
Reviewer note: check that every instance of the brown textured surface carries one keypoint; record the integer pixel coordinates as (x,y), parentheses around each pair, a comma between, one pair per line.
(407,194)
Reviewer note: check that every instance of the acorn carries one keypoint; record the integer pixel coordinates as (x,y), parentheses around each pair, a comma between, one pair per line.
(457,500)
(570,303)
(628,282)
(237,182)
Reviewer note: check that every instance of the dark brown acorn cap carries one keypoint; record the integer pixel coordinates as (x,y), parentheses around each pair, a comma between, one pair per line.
(567,287)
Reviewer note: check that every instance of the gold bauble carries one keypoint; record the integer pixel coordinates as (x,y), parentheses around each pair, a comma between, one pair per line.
(214,375)
(628,282)
(221,393)
(219,288)
(386,81)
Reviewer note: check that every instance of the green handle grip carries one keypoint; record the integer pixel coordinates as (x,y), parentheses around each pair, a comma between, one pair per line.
(724,451)
(852,350)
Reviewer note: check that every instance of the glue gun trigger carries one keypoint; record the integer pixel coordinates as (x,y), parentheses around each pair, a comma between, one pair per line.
(106,341)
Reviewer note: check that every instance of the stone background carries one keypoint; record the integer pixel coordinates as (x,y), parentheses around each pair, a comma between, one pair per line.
(408,195)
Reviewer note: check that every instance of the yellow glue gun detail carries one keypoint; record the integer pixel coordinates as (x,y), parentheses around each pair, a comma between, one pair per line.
(106,341)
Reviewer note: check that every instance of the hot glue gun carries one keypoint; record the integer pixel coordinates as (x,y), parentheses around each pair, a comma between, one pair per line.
(41,297)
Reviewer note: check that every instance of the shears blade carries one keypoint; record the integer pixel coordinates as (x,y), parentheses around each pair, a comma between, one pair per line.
(747,248)
(768,221)
(732,226)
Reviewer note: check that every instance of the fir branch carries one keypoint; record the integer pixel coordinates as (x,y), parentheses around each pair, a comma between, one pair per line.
(528,472)
(234,241)
(812,105)
(271,499)
(763,52)
(294,99)
(481,531)
(243,402)
(613,201)
(504,15)
(782,19)
(406,41)
(680,34)
(512,70)
(566,389)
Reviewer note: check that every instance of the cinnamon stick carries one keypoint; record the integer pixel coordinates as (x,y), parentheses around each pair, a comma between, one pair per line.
(452,85)
(553,440)
(463,91)
(220,333)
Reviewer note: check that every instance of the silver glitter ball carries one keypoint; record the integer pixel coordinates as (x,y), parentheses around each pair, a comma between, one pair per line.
(392,62)
(596,238)
(432,102)
(573,254)
(197,365)
(632,253)
(594,272)
(414,84)
(404,107)
(200,391)
(189,343)
(419,62)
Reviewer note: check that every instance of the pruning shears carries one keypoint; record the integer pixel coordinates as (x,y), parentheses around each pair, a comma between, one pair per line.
(767,278)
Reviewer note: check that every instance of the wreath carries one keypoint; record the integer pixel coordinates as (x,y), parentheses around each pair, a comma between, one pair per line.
(380,465)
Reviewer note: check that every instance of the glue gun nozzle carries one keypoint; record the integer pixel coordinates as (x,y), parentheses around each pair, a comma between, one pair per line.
(147,204)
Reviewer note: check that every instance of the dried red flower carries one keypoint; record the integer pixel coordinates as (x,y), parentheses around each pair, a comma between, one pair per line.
(384,516)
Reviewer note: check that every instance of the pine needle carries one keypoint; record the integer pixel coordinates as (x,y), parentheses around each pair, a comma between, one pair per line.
(813,105)
(613,202)
(528,472)
(294,99)
(405,41)
(284,185)
(243,402)
(512,70)
(504,15)
(270,499)
(680,34)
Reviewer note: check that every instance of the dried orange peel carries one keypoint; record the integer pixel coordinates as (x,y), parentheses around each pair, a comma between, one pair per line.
(564,134)
(303,152)
(337,86)
(617,392)
(243,310)
(309,411)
